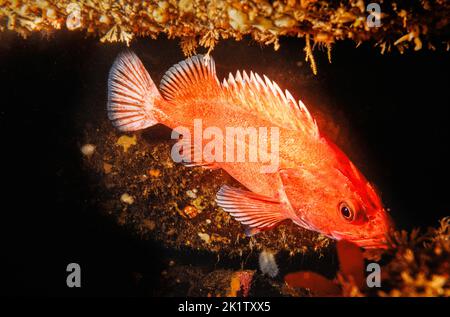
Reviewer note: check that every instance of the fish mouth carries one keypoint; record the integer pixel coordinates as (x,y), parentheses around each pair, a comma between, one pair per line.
(373,243)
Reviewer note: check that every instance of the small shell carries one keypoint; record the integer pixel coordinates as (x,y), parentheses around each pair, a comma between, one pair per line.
(238,19)
(104,19)
(190,212)
(88,149)
(285,22)
(205,237)
(72,7)
(127,199)
(154,173)
(160,15)
(51,13)
(163,5)
(186,6)
(263,24)
(191,194)
(265,7)
(73,21)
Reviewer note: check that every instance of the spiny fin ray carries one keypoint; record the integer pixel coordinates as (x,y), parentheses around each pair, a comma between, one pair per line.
(260,94)
(193,78)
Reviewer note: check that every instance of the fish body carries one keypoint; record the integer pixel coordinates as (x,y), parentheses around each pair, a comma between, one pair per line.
(315,184)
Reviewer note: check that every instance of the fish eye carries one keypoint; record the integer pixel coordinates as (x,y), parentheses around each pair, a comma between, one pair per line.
(346,211)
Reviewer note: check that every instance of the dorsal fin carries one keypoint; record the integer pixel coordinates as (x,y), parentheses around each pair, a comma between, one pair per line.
(266,97)
(195,77)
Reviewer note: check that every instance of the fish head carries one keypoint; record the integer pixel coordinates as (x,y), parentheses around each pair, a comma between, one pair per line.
(360,214)
(339,202)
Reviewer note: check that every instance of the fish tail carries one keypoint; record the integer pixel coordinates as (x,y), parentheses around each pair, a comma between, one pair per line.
(131,94)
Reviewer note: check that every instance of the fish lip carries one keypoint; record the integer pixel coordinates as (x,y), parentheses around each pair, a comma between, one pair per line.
(376,242)
(371,243)
(375,246)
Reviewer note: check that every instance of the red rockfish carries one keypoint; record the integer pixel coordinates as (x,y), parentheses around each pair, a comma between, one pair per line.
(315,185)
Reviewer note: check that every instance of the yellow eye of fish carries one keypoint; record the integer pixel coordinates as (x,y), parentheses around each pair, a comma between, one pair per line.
(346,211)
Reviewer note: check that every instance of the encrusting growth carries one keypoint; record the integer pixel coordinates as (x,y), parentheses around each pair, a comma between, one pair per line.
(403,24)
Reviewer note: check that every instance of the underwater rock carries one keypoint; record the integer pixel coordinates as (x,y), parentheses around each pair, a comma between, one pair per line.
(415,25)
(181,280)
(241,282)
(162,200)
(415,265)
(190,212)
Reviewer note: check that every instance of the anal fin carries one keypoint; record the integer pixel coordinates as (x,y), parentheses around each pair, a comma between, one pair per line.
(254,210)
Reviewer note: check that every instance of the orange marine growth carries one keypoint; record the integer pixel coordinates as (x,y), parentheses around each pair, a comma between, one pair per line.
(314,184)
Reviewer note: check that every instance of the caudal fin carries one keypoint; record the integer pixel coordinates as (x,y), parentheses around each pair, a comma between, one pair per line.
(131,94)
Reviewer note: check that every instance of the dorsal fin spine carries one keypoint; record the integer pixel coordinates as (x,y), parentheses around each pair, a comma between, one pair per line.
(262,94)
(245,77)
(238,77)
(225,83)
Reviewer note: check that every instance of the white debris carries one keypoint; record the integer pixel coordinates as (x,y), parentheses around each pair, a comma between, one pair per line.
(73,21)
(267,263)
(204,236)
(88,149)
(191,194)
(127,199)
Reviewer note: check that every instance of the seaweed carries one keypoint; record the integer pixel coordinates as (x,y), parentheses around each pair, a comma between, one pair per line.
(415,265)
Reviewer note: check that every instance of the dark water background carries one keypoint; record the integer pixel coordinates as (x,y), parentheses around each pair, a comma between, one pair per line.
(394,111)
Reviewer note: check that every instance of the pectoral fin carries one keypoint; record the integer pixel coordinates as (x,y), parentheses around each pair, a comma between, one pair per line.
(257,211)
